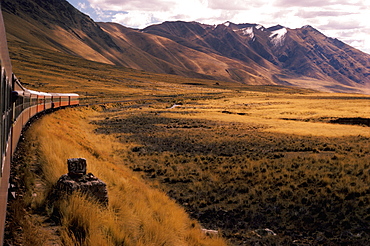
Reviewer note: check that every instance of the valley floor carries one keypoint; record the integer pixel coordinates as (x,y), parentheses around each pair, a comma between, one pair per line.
(262,168)
(247,163)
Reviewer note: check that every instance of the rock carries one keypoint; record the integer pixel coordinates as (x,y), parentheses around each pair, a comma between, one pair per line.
(209,232)
(261,233)
(88,184)
(303,242)
(78,180)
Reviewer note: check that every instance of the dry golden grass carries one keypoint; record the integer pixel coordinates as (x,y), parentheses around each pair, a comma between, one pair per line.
(306,114)
(136,215)
(234,172)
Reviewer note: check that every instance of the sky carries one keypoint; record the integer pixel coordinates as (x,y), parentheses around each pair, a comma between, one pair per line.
(346,20)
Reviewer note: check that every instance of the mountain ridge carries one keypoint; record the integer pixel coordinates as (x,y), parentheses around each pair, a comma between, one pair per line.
(243,53)
(279,49)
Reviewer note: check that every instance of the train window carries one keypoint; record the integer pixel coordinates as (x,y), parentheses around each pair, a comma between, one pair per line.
(19,106)
(26,100)
(2,108)
(33,100)
(3,84)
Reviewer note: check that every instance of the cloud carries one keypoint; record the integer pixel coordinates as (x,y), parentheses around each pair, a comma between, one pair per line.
(342,19)
(141,13)
(137,19)
(334,24)
(321,13)
(236,4)
(299,3)
(134,5)
(357,38)
(81,5)
(317,3)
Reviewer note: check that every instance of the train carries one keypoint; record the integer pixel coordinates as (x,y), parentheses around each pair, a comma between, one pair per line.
(18,106)
(25,104)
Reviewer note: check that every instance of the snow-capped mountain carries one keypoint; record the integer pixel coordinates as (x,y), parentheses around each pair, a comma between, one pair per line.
(243,53)
(302,52)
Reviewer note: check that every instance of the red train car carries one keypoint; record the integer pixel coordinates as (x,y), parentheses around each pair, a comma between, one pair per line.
(18,105)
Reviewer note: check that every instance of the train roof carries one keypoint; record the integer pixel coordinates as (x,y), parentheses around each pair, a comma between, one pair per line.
(40,93)
(65,94)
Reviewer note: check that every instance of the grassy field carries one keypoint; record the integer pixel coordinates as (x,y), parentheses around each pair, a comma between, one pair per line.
(136,214)
(235,158)
(239,163)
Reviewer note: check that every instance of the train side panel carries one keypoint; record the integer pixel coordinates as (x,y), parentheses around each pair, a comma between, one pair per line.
(74,99)
(56,101)
(6,80)
(40,103)
(17,130)
(26,107)
(33,105)
(48,102)
(64,101)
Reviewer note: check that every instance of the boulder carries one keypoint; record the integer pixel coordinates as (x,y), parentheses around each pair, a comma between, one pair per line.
(78,180)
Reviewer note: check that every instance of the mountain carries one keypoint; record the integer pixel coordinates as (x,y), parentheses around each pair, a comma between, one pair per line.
(56,25)
(244,53)
(300,52)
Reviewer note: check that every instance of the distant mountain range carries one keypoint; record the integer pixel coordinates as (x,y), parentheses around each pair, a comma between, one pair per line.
(244,53)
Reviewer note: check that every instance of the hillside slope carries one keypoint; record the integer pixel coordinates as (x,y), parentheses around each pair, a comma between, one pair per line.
(58,26)
(302,52)
(243,53)
(184,60)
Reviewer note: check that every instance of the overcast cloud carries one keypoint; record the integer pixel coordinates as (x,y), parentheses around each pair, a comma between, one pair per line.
(346,20)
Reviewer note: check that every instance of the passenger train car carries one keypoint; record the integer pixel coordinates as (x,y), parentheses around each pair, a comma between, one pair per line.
(25,104)
(18,105)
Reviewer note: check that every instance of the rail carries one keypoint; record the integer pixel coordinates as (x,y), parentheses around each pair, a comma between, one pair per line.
(18,105)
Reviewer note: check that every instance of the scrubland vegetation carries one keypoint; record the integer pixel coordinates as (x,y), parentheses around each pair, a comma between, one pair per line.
(136,215)
(236,158)
(240,167)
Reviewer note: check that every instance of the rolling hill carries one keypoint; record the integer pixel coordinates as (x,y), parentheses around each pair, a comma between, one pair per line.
(244,53)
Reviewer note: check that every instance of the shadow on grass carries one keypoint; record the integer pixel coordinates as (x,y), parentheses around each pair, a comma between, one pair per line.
(237,178)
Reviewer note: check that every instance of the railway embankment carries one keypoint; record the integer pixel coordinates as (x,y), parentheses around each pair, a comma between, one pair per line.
(137,214)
